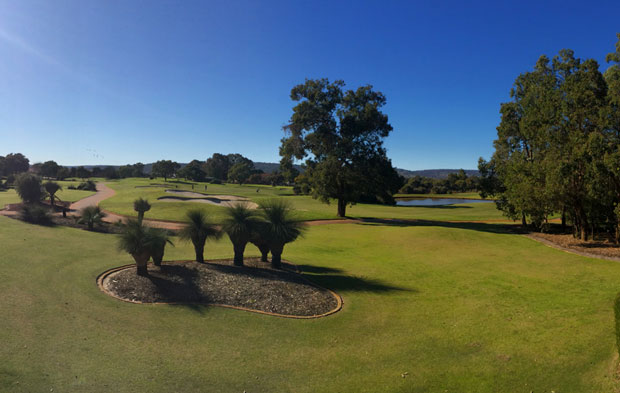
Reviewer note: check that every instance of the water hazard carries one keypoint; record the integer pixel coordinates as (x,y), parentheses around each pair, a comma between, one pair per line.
(436,201)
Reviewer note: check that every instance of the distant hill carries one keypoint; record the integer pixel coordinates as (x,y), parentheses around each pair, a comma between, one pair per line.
(270,167)
(435,173)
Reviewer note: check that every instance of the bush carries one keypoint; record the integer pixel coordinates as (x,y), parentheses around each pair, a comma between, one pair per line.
(28,187)
(88,185)
(36,214)
(72,187)
(216,181)
(91,216)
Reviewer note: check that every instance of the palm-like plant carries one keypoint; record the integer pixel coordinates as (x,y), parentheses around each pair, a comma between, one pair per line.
(240,223)
(158,239)
(136,239)
(91,215)
(259,239)
(141,206)
(279,228)
(198,231)
(52,188)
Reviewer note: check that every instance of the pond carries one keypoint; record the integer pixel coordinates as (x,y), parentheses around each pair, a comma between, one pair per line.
(436,201)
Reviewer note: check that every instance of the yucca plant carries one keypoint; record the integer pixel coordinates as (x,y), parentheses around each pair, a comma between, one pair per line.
(52,188)
(279,228)
(259,239)
(198,231)
(136,239)
(240,223)
(158,239)
(141,206)
(91,216)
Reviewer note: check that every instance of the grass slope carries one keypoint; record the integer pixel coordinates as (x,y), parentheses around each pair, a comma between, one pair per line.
(459,307)
(128,190)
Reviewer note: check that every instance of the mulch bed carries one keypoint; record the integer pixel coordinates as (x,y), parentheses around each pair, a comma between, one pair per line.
(596,248)
(254,286)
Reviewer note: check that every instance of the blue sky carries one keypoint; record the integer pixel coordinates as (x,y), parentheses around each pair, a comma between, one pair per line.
(116,82)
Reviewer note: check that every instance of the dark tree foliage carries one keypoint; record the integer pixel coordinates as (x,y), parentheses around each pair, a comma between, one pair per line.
(455,182)
(240,172)
(49,169)
(165,168)
(28,187)
(15,163)
(193,171)
(341,134)
(558,146)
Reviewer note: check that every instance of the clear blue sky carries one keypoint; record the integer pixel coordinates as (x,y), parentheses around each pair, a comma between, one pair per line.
(115,82)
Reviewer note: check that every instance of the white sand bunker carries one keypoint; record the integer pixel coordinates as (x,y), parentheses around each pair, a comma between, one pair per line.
(218,200)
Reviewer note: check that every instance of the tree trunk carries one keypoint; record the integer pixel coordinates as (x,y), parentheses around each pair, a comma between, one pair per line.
(239,250)
(523,220)
(342,207)
(276,256)
(158,257)
(52,199)
(264,252)
(140,216)
(563,220)
(141,261)
(200,251)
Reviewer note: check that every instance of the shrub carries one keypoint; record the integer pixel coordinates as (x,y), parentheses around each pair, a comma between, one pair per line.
(28,187)
(36,214)
(216,181)
(72,187)
(88,185)
(10,180)
(91,215)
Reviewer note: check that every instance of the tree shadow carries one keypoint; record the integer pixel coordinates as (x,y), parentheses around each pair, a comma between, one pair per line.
(342,282)
(505,229)
(446,207)
(176,284)
(318,269)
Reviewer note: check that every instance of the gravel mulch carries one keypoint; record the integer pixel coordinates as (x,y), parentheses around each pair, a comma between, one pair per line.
(254,286)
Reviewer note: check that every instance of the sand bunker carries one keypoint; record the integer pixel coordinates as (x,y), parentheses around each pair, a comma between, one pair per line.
(218,200)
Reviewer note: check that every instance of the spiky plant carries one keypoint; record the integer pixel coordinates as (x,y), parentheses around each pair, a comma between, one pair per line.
(91,216)
(136,239)
(240,223)
(141,206)
(52,188)
(158,239)
(259,239)
(279,228)
(198,231)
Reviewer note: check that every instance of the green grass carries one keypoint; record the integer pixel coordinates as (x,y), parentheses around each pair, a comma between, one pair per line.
(306,207)
(459,307)
(10,196)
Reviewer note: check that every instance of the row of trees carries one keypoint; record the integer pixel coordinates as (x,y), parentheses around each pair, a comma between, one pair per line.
(455,182)
(558,146)
(270,229)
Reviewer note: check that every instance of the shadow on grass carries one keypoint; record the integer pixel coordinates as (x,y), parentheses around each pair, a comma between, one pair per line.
(341,282)
(504,229)
(445,207)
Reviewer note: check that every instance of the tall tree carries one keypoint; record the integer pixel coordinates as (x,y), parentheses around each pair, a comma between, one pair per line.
(165,168)
(338,132)
(198,230)
(52,188)
(217,166)
(16,163)
(49,169)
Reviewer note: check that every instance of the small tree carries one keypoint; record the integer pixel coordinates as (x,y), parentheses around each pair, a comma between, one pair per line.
(159,238)
(240,223)
(279,228)
(91,215)
(198,231)
(141,206)
(52,188)
(136,239)
(28,187)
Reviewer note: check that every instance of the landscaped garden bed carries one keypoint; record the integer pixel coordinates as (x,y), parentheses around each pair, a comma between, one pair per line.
(254,287)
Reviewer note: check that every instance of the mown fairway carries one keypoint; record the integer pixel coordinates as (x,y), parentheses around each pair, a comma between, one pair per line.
(457,307)
(128,190)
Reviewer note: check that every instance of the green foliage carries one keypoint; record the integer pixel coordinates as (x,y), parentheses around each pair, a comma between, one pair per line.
(198,230)
(279,227)
(141,206)
(35,214)
(14,163)
(165,168)
(88,185)
(28,187)
(142,242)
(52,188)
(240,172)
(193,171)
(342,134)
(91,216)
(558,147)
(239,224)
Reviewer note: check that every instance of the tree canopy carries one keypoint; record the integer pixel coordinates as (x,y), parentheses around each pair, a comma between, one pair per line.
(165,168)
(340,133)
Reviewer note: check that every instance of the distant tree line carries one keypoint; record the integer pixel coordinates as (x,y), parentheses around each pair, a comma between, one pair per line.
(455,182)
(558,146)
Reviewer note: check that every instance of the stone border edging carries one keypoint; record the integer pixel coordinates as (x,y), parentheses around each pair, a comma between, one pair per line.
(101,278)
